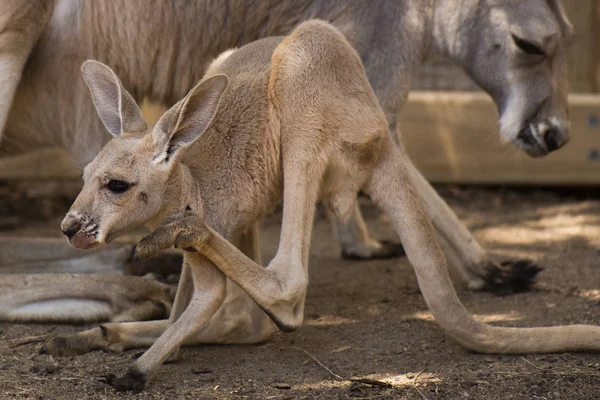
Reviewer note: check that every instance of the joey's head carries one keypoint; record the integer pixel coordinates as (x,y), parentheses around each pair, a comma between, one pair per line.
(516,51)
(131,181)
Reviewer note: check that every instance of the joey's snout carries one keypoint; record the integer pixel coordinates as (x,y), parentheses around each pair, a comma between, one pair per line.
(70,227)
(81,230)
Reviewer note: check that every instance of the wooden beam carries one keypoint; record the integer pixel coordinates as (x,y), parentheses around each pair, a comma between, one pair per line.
(582,56)
(452,138)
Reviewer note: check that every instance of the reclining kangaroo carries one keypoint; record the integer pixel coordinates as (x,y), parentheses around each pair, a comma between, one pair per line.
(290,119)
(520,61)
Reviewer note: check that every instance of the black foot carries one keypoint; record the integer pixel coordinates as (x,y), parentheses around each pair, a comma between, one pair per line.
(511,277)
(388,250)
(132,380)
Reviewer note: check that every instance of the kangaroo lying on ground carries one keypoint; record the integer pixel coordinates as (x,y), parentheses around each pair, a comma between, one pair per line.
(290,119)
(520,61)
(83,298)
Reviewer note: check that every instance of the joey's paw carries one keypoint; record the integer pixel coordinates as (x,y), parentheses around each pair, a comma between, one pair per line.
(98,338)
(178,234)
(512,276)
(386,249)
(132,381)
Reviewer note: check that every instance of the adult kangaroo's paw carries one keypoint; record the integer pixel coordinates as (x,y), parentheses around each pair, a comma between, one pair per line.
(132,381)
(187,233)
(377,250)
(99,338)
(513,276)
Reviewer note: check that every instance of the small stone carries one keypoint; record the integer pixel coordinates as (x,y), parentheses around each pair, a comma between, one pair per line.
(281,385)
(534,389)
(488,360)
(199,371)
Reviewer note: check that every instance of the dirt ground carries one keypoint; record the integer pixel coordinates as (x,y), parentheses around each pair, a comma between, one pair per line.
(368,320)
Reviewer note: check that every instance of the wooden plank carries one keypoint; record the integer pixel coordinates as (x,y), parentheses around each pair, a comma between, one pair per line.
(452,137)
(581,59)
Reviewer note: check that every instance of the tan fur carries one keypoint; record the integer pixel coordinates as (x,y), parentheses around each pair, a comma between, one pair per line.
(83,298)
(161,49)
(297,122)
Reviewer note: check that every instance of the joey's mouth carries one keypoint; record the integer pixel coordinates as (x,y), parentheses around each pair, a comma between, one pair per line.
(84,242)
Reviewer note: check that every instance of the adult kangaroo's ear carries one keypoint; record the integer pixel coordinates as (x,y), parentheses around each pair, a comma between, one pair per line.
(183,123)
(115,106)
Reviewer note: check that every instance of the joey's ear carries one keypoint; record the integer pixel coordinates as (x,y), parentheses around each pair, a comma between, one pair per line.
(115,106)
(188,119)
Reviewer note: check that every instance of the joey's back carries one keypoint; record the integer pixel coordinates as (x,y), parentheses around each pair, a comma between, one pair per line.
(237,161)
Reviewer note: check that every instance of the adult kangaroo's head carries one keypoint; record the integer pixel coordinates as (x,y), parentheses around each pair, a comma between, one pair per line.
(516,51)
(129,183)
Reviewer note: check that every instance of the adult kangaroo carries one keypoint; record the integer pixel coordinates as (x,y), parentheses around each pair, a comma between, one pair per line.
(514,49)
(290,119)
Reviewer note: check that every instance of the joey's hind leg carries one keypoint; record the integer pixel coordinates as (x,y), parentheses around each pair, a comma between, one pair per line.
(356,241)
(116,337)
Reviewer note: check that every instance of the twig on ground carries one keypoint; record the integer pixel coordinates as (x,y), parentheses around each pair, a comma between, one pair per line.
(414,384)
(12,343)
(367,381)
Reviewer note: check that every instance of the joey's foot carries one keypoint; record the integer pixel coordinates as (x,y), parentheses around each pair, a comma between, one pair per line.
(386,249)
(64,346)
(513,276)
(188,233)
(132,381)
(99,338)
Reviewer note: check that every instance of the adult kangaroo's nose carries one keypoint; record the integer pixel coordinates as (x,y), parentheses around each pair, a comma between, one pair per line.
(554,139)
(70,227)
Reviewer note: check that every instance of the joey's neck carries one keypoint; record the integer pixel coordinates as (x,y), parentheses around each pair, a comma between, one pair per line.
(181,193)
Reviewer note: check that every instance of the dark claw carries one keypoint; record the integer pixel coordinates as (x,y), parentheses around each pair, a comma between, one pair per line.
(389,249)
(136,256)
(511,277)
(132,380)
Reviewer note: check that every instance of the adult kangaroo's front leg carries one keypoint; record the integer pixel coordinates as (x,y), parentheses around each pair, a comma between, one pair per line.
(21,24)
(356,241)
(468,257)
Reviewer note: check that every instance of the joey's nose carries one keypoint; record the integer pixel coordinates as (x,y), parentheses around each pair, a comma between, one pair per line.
(70,228)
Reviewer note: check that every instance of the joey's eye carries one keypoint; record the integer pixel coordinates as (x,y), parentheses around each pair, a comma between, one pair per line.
(118,186)
(528,47)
